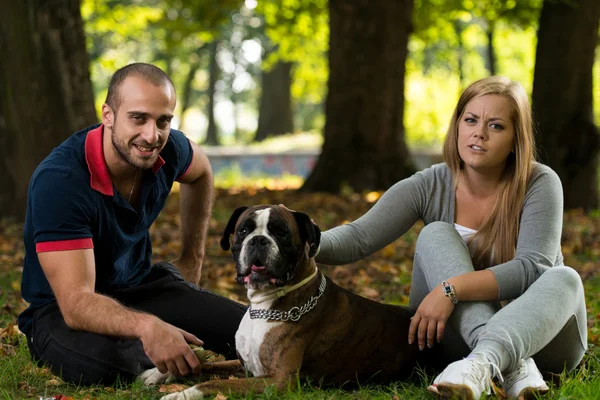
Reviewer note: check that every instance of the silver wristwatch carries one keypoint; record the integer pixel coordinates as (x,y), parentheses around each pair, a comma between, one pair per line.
(449,292)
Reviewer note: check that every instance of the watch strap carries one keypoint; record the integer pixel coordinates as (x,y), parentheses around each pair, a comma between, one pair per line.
(449,292)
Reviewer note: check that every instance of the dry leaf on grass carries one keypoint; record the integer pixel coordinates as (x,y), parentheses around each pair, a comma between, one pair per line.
(7,350)
(172,388)
(369,293)
(10,334)
(54,382)
(219,396)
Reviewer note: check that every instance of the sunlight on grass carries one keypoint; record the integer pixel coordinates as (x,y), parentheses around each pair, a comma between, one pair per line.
(235,180)
(311,140)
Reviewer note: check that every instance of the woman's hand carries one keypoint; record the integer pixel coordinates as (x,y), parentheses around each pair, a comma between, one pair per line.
(430,319)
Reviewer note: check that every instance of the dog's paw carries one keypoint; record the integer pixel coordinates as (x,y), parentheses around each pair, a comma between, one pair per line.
(188,394)
(154,377)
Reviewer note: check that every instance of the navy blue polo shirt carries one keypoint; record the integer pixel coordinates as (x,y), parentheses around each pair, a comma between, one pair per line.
(73,204)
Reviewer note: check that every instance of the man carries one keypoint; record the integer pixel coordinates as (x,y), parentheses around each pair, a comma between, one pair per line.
(99,309)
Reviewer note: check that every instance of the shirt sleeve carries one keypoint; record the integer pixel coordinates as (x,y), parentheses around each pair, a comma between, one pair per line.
(394,213)
(538,244)
(183,151)
(61,212)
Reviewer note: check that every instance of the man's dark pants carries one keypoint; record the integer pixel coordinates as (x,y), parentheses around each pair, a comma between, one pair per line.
(87,358)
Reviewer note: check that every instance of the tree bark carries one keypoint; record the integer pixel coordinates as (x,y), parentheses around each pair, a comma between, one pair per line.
(186,97)
(563,100)
(364,145)
(46,91)
(491,53)
(275,110)
(460,54)
(213,70)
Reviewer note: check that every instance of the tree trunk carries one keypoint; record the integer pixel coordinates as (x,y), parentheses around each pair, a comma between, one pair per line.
(275,111)
(364,145)
(46,91)
(213,70)
(460,54)
(562,97)
(491,54)
(237,133)
(186,97)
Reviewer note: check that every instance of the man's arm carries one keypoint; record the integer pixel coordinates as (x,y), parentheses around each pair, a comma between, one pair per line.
(196,195)
(71,275)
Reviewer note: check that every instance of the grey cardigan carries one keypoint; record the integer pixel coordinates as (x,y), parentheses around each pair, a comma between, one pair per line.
(429,195)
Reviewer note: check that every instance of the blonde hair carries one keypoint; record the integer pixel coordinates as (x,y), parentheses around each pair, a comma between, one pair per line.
(495,242)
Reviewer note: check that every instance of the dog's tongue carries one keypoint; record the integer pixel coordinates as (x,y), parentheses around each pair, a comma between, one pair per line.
(256,268)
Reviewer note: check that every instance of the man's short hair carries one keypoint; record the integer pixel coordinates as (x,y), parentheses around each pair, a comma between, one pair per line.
(148,72)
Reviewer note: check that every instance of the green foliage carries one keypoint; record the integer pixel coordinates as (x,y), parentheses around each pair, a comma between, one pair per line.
(174,33)
(168,33)
(299,31)
(432,79)
(429,103)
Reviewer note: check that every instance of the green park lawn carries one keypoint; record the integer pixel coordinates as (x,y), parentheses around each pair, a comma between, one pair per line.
(385,277)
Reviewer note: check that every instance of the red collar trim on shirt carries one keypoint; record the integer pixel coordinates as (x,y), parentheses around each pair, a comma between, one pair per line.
(94,156)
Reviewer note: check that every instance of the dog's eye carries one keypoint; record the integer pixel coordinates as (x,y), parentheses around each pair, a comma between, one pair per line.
(243,232)
(280,231)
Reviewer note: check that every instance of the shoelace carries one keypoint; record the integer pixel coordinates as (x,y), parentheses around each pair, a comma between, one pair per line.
(481,373)
(513,375)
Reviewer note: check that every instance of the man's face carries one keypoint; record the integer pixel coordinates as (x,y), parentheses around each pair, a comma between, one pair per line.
(141,125)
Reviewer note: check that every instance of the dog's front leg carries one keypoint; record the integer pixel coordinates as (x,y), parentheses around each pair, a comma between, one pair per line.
(238,386)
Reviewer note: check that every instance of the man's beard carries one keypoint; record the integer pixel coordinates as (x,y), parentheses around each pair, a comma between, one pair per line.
(124,152)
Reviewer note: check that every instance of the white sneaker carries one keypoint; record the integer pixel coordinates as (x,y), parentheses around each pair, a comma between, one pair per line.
(465,379)
(525,381)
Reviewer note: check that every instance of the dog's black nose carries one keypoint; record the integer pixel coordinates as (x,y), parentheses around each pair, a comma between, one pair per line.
(259,240)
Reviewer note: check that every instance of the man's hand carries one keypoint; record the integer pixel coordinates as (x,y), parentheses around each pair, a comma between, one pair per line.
(167,347)
(191,269)
(429,322)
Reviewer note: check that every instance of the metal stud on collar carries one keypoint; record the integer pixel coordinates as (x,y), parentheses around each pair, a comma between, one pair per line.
(294,313)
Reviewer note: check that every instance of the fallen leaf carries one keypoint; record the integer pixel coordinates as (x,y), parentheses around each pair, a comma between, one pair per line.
(54,382)
(172,388)
(369,293)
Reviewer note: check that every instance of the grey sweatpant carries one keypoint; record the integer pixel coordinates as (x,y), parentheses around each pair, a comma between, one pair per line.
(547,322)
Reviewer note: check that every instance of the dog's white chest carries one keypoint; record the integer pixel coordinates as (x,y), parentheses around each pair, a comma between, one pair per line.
(249,337)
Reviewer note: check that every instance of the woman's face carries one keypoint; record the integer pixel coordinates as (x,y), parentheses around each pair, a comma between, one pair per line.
(486,134)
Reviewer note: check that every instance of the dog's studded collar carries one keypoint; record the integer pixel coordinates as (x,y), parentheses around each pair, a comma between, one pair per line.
(294,313)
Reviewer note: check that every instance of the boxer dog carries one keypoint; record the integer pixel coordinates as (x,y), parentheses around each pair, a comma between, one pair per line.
(299,323)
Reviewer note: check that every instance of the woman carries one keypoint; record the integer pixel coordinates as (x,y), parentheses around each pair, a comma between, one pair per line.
(493,221)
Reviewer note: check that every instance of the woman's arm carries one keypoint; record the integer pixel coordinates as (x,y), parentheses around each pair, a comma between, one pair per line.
(393,214)
(540,231)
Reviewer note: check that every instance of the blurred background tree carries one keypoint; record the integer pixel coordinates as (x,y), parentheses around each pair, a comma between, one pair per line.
(563,94)
(375,84)
(46,89)
(364,144)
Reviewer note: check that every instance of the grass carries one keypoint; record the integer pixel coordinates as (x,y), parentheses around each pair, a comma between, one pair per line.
(20,379)
(385,276)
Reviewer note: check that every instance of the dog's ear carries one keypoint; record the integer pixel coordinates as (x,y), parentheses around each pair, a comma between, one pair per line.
(309,231)
(230,228)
